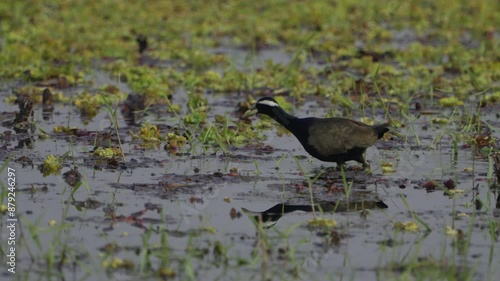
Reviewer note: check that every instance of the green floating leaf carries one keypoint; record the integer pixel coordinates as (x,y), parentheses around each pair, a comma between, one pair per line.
(51,165)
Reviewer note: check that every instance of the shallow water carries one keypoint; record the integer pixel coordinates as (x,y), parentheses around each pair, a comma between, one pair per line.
(187,197)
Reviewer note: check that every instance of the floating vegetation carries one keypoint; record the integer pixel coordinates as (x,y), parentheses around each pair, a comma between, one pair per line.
(454,191)
(387,168)
(36,94)
(225,134)
(451,231)
(367,121)
(287,106)
(108,152)
(450,102)
(322,222)
(198,108)
(175,141)
(491,99)
(87,103)
(148,133)
(438,120)
(193,68)
(195,117)
(409,226)
(65,130)
(166,272)
(51,165)
(112,263)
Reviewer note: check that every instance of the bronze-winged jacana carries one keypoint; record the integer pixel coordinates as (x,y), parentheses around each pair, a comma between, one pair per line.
(327,139)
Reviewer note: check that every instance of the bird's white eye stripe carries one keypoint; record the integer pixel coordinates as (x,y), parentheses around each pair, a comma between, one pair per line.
(268,103)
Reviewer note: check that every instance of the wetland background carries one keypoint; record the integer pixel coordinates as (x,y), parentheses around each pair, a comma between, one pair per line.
(122,122)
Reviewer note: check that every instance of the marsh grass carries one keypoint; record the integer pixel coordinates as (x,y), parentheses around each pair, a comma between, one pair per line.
(56,255)
(452,263)
(112,114)
(144,256)
(412,265)
(310,183)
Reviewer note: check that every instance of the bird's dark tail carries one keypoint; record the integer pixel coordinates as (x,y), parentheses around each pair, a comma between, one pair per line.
(381,129)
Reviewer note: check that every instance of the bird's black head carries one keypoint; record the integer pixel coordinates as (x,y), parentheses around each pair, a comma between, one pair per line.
(271,108)
(267,106)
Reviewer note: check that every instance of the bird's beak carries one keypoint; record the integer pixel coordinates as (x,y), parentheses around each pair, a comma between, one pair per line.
(249,113)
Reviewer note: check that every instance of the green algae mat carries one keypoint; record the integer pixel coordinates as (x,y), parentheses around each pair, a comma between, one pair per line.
(126,154)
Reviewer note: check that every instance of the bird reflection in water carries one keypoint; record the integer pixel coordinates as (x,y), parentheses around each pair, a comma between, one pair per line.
(270,217)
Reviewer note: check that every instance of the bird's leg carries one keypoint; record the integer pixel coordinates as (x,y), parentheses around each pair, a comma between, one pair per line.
(366,166)
(341,166)
(365,163)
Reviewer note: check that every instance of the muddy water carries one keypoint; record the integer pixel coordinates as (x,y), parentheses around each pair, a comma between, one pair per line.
(190,198)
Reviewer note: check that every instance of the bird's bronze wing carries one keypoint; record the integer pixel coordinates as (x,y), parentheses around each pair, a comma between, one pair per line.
(330,136)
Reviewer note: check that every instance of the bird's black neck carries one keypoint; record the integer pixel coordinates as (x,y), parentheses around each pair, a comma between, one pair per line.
(282,117)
